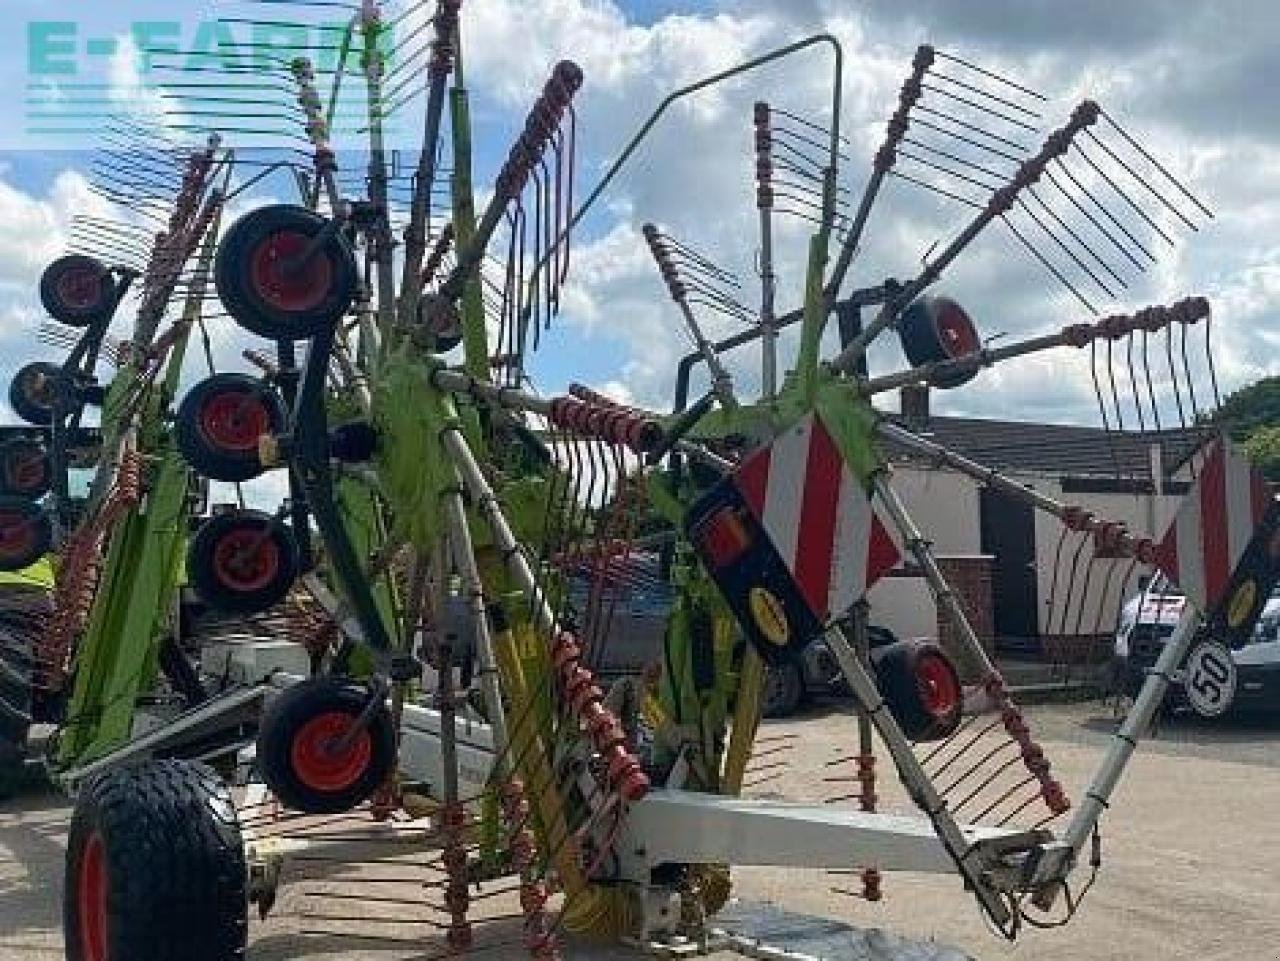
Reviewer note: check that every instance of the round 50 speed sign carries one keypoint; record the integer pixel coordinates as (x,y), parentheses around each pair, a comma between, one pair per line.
(1210,679)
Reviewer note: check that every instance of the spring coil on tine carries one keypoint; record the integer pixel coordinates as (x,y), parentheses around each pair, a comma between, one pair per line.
(764,155)
(544,119)
(1033,756)
(533,892)
(457,898)
(442,47)
(1055,145)
(584,697)
(1188,312)
(666,266)
(908,97)
(610,423)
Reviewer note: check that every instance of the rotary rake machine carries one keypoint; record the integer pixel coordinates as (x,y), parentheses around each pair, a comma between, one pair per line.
(431,752)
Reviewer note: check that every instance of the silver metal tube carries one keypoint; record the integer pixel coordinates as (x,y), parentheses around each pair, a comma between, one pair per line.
(1136,723)
(946,597)
(913,776)
(986,357)
(985,475)
(768,290)
(464,560)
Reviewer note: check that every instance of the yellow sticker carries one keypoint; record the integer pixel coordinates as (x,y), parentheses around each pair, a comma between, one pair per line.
(769,615)
(1242,603)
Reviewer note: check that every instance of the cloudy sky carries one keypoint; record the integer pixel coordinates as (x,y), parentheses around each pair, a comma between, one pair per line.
(1194,81)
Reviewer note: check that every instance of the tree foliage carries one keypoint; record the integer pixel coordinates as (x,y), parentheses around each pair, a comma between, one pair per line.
(1252,416)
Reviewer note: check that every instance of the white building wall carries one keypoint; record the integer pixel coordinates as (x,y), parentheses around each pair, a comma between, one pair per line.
(905,606)
(945,506)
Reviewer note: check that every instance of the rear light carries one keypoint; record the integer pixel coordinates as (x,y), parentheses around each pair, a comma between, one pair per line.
(723,538)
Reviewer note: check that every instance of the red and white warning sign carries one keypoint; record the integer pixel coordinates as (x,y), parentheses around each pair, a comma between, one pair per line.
(1215,525)
(816,513)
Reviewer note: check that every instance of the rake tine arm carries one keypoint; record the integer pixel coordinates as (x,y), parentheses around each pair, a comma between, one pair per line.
(1000,203)
(884,161)
(1187,312)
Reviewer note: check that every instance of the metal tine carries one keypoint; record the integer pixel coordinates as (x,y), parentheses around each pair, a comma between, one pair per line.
(968,202)
(1173,378)
(134,243)
(1114,124)
(815,167)
(1116,188)
(999,175)
(942,168)
(781,130)
(1070,586)
(980,91)
(1084,211)
(142,175)
(992,75)
(1048,265)
(1111,377)
(983,108)
(968,125)
(1143,182)
(1070,231)
(110,226)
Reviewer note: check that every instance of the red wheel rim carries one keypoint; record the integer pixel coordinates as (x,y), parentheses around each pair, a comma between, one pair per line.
(17,534)
(284,286)
(91,900)
(939,691)
(317,762)
(234,421)
(78,288)
(956,331)
(25,470)
(246,559)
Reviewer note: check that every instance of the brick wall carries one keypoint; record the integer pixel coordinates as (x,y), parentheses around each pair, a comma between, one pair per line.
(970,579)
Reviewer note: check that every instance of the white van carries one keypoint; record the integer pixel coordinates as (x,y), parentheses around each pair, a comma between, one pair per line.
(1148,619)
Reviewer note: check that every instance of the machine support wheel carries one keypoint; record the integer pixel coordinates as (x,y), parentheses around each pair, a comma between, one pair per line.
(313,753)
(33,390)
(243,561)
(26,534)
(25,469)
(937,328)
(285,272)
(220,422)
(921,687)
(155,868)
(783,689)
(77,290)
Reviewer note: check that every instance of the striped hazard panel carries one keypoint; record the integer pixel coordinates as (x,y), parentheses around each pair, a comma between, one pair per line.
(791,538)
(1223,547)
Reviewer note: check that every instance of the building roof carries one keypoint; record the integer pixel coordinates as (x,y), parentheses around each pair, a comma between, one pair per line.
(1056,449)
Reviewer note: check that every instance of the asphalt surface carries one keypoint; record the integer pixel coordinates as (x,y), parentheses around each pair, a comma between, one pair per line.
(1191,869)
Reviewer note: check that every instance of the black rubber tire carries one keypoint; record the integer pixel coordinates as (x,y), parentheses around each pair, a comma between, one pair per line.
(242,593)
(224,461)
(783,689)
(21,552)
(18,475)
(15,696)
(33,404)
(244,298)
(287,731)
(172,858)
(937,328)
(903,671)
(95,298)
